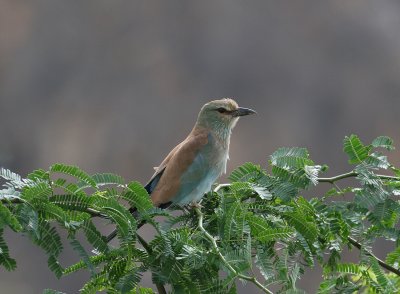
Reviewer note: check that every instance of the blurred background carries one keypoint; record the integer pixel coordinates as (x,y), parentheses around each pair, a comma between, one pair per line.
(112,86)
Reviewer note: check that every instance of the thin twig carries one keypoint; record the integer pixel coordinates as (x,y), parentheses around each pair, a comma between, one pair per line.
(225,262)
(353,174)
(220,186)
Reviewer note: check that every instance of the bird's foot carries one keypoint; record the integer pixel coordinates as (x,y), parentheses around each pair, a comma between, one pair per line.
(195,204)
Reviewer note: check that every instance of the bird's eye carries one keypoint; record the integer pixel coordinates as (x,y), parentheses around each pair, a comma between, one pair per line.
(221,110)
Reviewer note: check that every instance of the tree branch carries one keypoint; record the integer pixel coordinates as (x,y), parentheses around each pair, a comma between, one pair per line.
(380,261)
(352,174)
(331,180)
(354,242)
(160,287)
(225,262)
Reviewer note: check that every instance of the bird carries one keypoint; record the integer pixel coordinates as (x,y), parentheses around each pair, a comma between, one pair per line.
(192,167)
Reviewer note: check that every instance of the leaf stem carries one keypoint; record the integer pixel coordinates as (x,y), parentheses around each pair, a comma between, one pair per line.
(225,262)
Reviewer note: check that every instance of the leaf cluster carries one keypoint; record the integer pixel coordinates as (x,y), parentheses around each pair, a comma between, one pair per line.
(257,229)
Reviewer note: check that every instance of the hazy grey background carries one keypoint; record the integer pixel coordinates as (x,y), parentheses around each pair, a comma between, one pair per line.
(112,86)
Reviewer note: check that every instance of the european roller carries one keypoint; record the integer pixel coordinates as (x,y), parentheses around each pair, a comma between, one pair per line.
(190,169)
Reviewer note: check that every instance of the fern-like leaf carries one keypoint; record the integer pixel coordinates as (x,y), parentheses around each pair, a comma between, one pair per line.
(7,218)
(94,237)
(5,260)
(128,281)
(263,232)
(355,149)
(393,258)
(55,266)
(75,172)
(383,142)
(299,222)
(349,268)
(292,158)
(13,179)
(138,197)
(82,253)
(247,172)
(48,239)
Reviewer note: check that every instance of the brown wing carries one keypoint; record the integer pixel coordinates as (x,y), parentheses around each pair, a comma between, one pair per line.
(165,182)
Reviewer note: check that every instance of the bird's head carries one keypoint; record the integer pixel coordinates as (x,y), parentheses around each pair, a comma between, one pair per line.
(221,115)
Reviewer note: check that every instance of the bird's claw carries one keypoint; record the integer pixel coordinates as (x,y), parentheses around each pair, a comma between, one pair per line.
(196,205)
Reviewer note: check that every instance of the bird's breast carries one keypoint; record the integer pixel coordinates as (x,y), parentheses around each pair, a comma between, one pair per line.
(208,165)
(218,150)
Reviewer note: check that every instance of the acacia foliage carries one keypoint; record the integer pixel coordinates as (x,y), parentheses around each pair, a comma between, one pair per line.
(258,228)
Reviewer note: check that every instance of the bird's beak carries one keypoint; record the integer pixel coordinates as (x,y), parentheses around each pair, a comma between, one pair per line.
(241,111)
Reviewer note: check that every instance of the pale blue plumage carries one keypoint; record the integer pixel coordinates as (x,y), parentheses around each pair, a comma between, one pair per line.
(200,175)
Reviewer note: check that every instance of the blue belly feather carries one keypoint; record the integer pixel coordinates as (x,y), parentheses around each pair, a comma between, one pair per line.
(200,175)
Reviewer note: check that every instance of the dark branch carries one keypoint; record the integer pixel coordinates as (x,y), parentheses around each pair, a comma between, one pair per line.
(380,261)
(160,287)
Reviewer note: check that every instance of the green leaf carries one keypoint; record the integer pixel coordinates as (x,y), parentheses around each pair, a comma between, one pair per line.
(72,201)
(355,149)
(73,171)
(284,190)
(13,179)
(383,212)
(265,262)
(94,236)
(233,221)
(393,258)
(248,172)
(261,191)
(49,240)
(349,268)
(306,228)
(82,254)
(138,197)
(6,217)
(121,216)
(96,284)
(55,266)
(327,287)
(369,196)
(36,191)
(9,194)
(293,165)
(5,260)
(263,232)
(107,179)
(128,281)
(384,283)
(312,172)
(383,142)
(39,175)
(101,258)
(377,160)
(292,158)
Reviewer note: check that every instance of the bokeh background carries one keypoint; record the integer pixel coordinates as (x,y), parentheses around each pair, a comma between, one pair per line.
(112,86)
